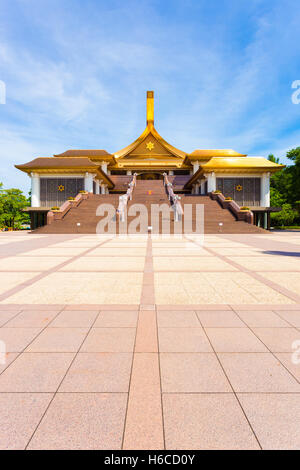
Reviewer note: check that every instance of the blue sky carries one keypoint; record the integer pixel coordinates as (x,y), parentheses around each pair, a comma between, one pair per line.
(76,73)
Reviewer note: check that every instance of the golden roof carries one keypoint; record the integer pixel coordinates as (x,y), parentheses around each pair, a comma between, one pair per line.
(151,151)
(234,165)
(256,163)
(64,165)
(209,153)
(96,154)
(150,132)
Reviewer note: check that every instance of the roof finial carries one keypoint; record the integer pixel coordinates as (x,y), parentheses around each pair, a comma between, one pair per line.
(150,107)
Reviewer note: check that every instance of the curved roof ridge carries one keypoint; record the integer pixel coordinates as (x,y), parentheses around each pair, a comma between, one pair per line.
(150,129)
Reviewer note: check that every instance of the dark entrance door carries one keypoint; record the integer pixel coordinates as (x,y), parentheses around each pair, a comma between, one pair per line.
(150,176)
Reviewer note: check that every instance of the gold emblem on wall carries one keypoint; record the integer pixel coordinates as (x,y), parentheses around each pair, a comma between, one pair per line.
(61,188)
(150,145)
(239,187)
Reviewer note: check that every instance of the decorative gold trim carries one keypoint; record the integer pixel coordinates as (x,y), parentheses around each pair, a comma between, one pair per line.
(150,145)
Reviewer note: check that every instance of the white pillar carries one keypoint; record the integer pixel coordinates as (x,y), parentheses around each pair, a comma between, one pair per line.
(129,173)
(265,190)
(106,189)
(88,182)
(35,190)
(197,188)
(103,188)
(211,182)
(97,187)
(171,173)
(104,167)
(202,187)
(214,181)
(195,166)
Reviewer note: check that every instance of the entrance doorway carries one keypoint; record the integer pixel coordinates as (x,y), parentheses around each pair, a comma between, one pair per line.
(149,176)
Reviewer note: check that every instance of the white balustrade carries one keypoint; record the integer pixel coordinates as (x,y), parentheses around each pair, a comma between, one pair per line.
(173,198)
(123,200)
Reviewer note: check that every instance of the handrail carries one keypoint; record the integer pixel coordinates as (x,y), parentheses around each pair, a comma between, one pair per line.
(231,205)
(65,207)
(123,200)
(173,198)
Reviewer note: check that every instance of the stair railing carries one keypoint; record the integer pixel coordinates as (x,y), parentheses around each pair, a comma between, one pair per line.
(123,200)
(173,198)
(178,210)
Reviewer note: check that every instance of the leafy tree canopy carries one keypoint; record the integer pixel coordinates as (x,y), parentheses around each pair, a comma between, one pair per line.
(12,201)
(273,159)
(285,188)
(294,154)
(286,216)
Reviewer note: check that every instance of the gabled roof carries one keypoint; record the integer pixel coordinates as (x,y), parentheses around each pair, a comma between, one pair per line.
(50,162)
(150,131)
(234,164)
(64,165)
(259,163)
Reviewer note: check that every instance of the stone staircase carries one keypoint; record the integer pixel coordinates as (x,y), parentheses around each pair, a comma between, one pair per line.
(214,214)
(84,214)
(148,192)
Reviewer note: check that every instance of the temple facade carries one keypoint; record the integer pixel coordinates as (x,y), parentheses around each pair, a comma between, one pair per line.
(55,179)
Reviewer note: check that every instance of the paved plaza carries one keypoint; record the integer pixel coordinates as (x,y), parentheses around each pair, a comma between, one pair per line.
(150,343)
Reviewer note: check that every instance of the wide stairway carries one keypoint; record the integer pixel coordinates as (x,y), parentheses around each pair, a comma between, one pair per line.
(148,193)
(214,215)
(83,218)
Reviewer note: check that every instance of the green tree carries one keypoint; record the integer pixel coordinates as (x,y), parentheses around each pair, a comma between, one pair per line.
(273,159)
(12,201)
(294,154)
(294,171)
(277,199)
(279,185)
(285,189)
(285,217)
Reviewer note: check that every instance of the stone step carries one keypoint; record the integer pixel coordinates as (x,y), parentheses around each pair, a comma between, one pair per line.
(85,213)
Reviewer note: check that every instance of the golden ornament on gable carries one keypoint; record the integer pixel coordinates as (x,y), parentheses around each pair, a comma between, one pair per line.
(150,145)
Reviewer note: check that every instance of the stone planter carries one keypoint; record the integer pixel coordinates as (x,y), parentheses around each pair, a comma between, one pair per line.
(225,204)
(73,202)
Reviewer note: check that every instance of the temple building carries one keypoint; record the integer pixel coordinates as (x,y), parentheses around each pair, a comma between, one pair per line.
(55,179)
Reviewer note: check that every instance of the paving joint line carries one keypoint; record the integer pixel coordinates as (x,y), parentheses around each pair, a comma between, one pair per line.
(234,392)
(44,274)
(283,291)
(269,350)
(27,345)
(61,381)
(133,355)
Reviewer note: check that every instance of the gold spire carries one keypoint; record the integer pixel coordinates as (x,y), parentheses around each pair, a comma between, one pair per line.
(150,107)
